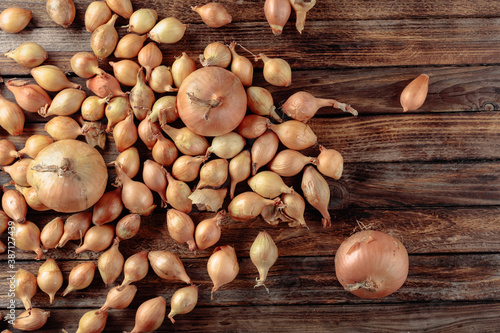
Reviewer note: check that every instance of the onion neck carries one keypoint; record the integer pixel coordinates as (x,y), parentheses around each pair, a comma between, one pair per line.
(209,103)
(368,285)
(63,170)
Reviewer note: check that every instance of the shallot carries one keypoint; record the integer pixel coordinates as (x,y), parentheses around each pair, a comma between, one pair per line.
(222,267)
(150,315)
(183,301)
(80,277)
(108,208)
(208,231)
(75,227)
(25,287)
(213,14)
(263,254)
(50,278)
(181,228)
(317,193)
(168,266)
(136,196)
(110,263)
(135,269)
(415,93)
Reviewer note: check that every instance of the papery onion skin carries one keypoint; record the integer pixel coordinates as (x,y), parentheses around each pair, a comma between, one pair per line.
(78,176)
(371,264)
(31,320)
(263,150)
(294,134)
(25,286)
(181,228)
(121,7)
(29,97)
(52,78)
(34,144)
(248,205)
(119,298)
(18,170)
(330,162)
(108,208)
(129,46)
(136,196)
(208,231)
(169,30)
(8,152)
(142,20)
(130,161)
(97,239)
(186,168)
(211,101)
(128,226)
(263,254)
(105,38)
(27,236)
(28,54)
(181,68)
(14,205)
(31,198)
(317,193)
(239,170)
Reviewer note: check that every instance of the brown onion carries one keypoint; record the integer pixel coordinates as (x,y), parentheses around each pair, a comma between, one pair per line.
(34,144)
(222,267)
(268,184)
(186,140)
(181,228)
(97,14)
(317,193)
(18,170)
(186,168)
(169,30)
(161,80)
(28,54)
(371,264)
(8,152)
(216,54)
(301,8)
(150,315)
(65,103)
(208,231)
(227,145)
(178,193)
(239,169)
(31,320)
(141,97)
(277,13)
(260,101)
(52,78)
(61,12)
(104,38)
(136,196)
(302,106)
(125,71)
(14,19)
(252,126)
(154,176)
(263,150)
(168,266)
(105,84)
(121,7)
(128,226)
(263,254)
(142,20)
(249,205)
(276,71)
(129,161)
(14,205)
(148,132)
(93,108)
(208,199)
(75,227)
(213,14)
(29,97)
(211,101)
(181,68)
(80,277)
(164,151)
(110,263)
(129,46)
(49,278)
(52,233)
(119,298)
(330,162)
(27,236)
(135,269)
(183,301)
(289,162)
(63,128)
(117,110)
(294,208)
(415,93)
(294,134)
(68,175)
(97,239)
(125,133)
(241,66)
(25,287)
(92,322)
(213,173)
(149,57)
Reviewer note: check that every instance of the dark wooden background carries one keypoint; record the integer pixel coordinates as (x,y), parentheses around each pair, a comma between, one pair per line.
(429,176)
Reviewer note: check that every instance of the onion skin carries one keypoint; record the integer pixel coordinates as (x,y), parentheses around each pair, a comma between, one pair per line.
(97,239)
(52,78)
(226,145)
(181,68)
(116,111)
(186,140)
(277,13)
(241,66)
(14,19)
(136,196)
(252,126)
(208,199)
(169,30)
(150,315)
(34,144)
(18,170)
(31,320)
(216,54)
(330,162)
(263,150)
(148,133)
(129,161)
(129,46)
(168,266)
(178,193)
(104,39)
(371,264)
(289,162)
(213,173)
(294,134)
(211,101)
(149,57)
(128,226)
(31,198)
(301,8)
(142,20)
(125,71)
(276,71)
(260,102)
(80,277)
(183,301)
(125,133)
(294,210)
(119,298)
(222,267)
(249,205)
(8,152)
(154,176)
(186,168)
(50,278)
(164,151)
(67,102)
(61,12)
(77,179)
(121,7)
(141,96)
(268,184)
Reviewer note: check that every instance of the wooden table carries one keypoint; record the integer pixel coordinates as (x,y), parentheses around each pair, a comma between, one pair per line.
(428,176)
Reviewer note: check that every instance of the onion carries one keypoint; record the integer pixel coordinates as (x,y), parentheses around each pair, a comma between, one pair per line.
(18,170)
(150,57)
(80,277)
(52,233)
(263,254)
(125,71)
(129,46)
(61,12)
(208,231)
(268,184)
(28,54)
(31,198)
(211,101)
(276,71)
(183,301)
(181,68)
(178,193)
(31,320)
(252,126)
(34,144)
(249,205)
(121,7)
(330,163)
(104,38)
(63,128)
(161,80)
(136,196)
(168,266)
(277,13)
(125,133)
(294,134)
(104,85)
(50,278)
(181,228)
(186,140)
(154,176)
(4,221)
(148,132)
(27,236)
(97,239)
(289,162)
(93,108)
(263,150)
(222,267)
(117,110)
(150,315)
(8,152)
(14,205)
(213,173)
(75,227)
(65,103)
(208,199)
(29,97)
(169,30)
(239,169)
(216,54)
(164,151)
(52,78)
(68,175)
(187,168)
(119,298)
(317,193)
(371,264)
(14,19)
(415,93)
(142,20)
(227,145)
(97,14)
(129,161)
(213,14)
(301,8)
(274,215)
(128,226)
(294,209)
(241,66)
(164,110)
(135,269)
(25,287)
(141,97)
(110,263)
(108,208)
(92,322)
(302,106)
(260,102)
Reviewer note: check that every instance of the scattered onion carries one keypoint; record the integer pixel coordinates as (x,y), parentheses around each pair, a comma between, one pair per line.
(222,267)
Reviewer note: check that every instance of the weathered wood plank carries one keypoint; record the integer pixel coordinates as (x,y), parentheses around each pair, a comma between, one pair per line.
(415,317)
(452,230)
(295,280)
(377,43)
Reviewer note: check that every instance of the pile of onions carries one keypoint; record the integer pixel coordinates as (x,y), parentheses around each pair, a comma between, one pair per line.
(371,264)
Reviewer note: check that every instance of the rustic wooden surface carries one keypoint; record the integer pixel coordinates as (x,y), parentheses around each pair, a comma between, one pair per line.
(429,176)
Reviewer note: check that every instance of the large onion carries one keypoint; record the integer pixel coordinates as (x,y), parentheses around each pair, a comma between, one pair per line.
(211,101)
(68,175)
(371,264)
